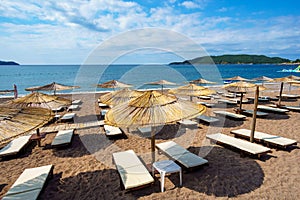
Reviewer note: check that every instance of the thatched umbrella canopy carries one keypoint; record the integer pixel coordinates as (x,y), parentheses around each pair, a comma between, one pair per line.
(120,96)
(18,121)
(37,99)
(113,84)
(236,78)
(162,83)
(192,90)
(282,80)
(152,108)
(241,87)
(202,81)
(51,87)
(263,79)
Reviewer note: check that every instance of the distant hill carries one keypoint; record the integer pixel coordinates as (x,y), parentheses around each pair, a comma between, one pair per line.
(8,63)
(235,59)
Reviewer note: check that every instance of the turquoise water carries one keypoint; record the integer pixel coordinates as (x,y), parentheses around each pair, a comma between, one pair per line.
(88,76)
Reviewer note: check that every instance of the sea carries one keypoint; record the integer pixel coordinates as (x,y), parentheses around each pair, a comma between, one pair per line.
(88,76)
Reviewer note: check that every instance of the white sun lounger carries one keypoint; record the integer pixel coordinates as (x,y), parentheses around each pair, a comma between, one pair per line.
(187,123)
(68,116)
(112,130)
(73,107)
(229,115)
(62,138)
(290,108)
(15,146)
(244,146)
(132,171)
(207,119)
(209,105)
(271,109)
(258,113)
(30,183)
(184,157)
(265,138)
(77,101)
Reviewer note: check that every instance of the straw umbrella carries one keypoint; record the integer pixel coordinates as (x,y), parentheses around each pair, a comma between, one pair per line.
(37,99)
(241,87)
(152,108)
(236,78)
(162,83)
(282,80)
(120,96)
(202,81)
(19,121)
(192,90)
(114,84)
(262,79)
(52,87)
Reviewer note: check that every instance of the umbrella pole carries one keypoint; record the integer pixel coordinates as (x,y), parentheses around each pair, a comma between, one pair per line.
(254,115)
(280,94)
(241,101)
(153,145)
(38,135)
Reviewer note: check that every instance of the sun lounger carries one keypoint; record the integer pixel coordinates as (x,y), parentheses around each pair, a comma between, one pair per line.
(77,101)
(290,108)
(229,95)
(207,119)
(289,96)
(238,100)
(181,155)
(62,138)
(209,105)
(132,171)
(103,105)
(265,138)
(227,102)
(59,109)
(30,183)
(15,146)
(250,113)
(229,115)
(242,145)
(260,99)
(187,123)
(73,107)
(68,117)
(145,129)
(273,110)
(204,97)
(112,131)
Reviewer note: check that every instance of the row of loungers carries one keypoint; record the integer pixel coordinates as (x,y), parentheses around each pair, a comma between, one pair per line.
(134,174)
(62,138)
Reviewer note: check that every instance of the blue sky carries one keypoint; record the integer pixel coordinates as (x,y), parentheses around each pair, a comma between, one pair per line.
(68,31)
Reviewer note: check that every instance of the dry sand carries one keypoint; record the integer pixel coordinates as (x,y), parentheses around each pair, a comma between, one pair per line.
(85,169)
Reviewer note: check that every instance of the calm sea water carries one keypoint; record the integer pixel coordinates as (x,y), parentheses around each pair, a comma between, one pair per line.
(88,76)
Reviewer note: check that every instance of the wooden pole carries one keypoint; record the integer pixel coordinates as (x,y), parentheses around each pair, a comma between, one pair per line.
(38,135)
(280,94)
(153,145)
(241,101)
(254,114)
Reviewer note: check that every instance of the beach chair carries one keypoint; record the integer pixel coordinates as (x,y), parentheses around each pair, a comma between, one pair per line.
(229,95)
(207,119)
(250,113)
(76,102)
(73,107)
(58,109)
(227,102)
(181,155)
(188,123)
(204,97)
(290,108)
(289,97)
(209,105)
(133,173)
(243,146)
(63,138)
(265,138)
(103,105)
(112,131)
(30,183)
(15,146)
(68,117)
(272,109)
(229,115)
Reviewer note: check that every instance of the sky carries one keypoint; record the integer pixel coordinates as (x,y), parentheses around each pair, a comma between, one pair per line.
(69,31)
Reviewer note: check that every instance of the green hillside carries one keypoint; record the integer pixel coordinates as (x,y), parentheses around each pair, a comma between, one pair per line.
(235,59)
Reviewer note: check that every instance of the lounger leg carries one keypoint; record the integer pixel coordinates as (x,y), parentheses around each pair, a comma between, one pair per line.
(180,177)
(162,177)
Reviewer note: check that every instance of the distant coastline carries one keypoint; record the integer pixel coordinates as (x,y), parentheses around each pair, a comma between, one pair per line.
(8,63)
(237,59)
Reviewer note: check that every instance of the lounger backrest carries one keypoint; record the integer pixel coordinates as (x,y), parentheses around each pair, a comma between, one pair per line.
(29,184)
(63,137)
(15,146)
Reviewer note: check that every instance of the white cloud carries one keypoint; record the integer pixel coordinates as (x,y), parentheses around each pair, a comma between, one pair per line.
(190,4)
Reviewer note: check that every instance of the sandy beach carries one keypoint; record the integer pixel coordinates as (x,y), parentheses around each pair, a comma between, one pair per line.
(85,169)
